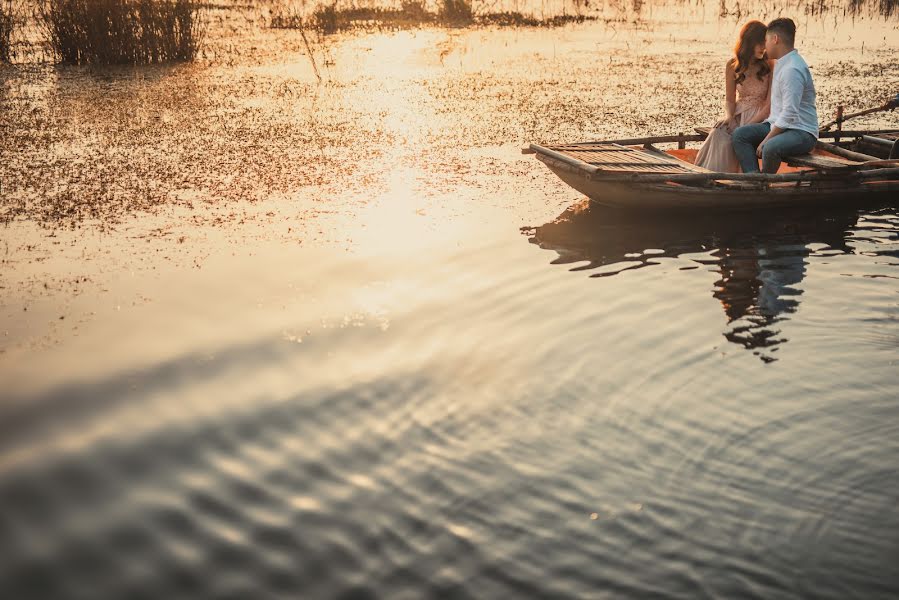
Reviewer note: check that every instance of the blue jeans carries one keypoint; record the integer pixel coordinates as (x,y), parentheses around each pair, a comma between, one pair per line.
(791,142)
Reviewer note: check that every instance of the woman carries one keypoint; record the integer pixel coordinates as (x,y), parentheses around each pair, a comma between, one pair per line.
(747,82)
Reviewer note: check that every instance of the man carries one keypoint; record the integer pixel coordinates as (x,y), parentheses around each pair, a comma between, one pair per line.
(792,126)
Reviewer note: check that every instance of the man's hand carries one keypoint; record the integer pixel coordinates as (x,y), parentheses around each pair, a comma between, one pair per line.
(775,131)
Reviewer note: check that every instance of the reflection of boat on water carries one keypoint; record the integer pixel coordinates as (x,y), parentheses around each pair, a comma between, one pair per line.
(760,258)
(857,167)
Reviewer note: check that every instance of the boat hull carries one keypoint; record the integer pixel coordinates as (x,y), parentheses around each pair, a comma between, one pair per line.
(641,195)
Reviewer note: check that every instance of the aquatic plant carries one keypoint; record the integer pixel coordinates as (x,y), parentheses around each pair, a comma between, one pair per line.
(456,12)
(121,31)
(884,8)
(888,8)
(325,18)
(7,21)
(329,18)
(517,19)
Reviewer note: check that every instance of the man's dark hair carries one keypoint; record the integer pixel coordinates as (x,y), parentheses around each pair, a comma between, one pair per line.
(785,29)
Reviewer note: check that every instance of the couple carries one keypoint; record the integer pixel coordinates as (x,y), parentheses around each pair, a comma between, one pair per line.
(770,107)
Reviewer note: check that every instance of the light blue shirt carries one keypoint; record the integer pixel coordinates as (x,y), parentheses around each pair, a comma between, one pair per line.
(793,95)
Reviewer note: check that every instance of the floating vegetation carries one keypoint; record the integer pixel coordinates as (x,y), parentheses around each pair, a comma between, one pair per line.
(121,31)
(329,18)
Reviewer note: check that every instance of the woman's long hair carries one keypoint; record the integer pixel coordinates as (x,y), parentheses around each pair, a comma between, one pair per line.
(752,34)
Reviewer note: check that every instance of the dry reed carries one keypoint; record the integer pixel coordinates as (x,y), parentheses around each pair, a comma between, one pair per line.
(328,18)
(7,22)
(121,31)
(456,12)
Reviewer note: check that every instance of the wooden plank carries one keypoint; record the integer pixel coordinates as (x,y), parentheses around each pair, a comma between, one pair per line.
(821,162)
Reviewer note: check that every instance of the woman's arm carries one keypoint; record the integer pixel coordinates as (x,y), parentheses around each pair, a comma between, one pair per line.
(730,98)
(730,91)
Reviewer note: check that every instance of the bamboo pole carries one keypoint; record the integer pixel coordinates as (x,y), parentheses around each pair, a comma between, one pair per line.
(658,139)
(841,118)
(854,134)
(856,156)
(839,115)
(810,176)
(877,141)
(878,164)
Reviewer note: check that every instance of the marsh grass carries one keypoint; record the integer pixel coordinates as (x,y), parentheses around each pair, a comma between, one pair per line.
(455,12)
(817,8)
(121,31)
(888,8)
(329,18)
(7,22)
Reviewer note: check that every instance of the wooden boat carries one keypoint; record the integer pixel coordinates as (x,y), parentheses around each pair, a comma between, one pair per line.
(845,167)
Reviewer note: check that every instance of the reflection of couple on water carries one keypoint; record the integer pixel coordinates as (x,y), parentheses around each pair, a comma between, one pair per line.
(770,103)
(760,259)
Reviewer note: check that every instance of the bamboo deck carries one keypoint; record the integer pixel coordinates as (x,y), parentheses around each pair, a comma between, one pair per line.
(615,158)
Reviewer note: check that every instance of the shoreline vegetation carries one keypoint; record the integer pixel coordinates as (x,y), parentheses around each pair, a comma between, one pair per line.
(155,31)
(7,24)
(121,31)
(103,32)
(332,18)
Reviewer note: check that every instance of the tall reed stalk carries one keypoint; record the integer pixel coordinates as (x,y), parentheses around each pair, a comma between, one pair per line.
(121,31)
(7,21)
(888,8)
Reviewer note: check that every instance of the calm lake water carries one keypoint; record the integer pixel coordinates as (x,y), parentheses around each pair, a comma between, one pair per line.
(265,337)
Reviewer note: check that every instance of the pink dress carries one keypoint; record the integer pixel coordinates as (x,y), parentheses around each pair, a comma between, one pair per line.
(717,153)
